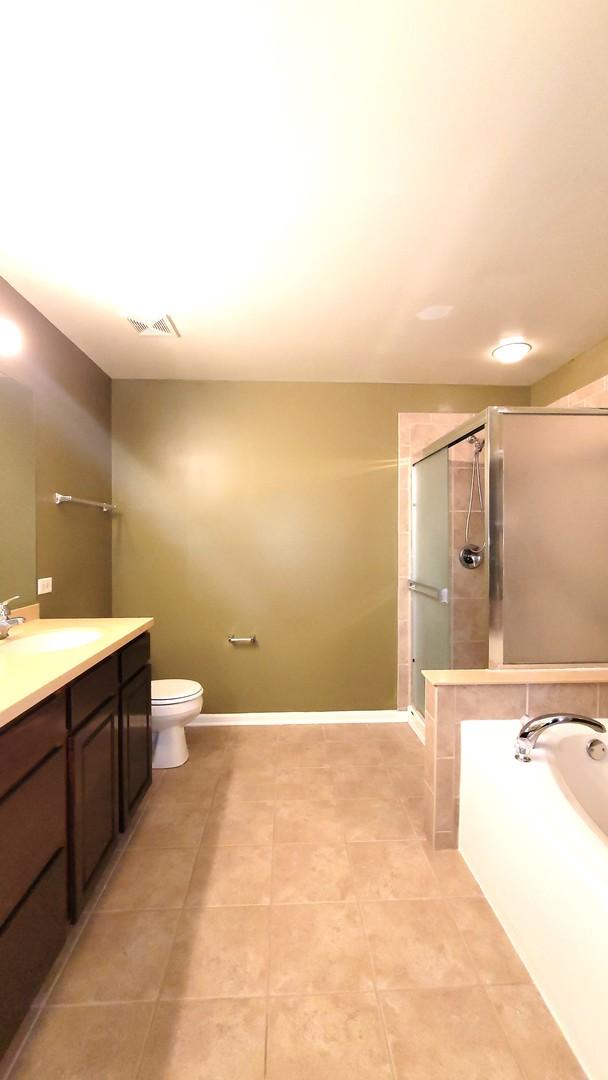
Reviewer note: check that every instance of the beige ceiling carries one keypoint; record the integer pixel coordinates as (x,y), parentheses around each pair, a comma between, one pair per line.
(293,181)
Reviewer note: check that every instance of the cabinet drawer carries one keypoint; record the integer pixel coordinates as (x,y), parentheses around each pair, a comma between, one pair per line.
(30,739)
(29,943)
(32,829)
(134,656)
(91,690)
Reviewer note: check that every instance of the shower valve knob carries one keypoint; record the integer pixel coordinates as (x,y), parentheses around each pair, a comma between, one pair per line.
(471,557)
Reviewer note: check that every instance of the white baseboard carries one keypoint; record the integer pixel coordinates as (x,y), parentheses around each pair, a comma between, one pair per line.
(372,716)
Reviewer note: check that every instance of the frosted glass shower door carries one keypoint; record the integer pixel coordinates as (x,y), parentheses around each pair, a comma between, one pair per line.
(430,572)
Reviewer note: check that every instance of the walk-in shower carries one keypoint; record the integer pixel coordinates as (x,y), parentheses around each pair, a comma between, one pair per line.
(509,560)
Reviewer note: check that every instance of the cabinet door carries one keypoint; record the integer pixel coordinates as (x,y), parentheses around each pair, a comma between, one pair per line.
(135,743)
(29,942)
(93,800)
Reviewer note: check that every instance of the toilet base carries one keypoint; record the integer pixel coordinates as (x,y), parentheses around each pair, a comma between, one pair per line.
(170,748)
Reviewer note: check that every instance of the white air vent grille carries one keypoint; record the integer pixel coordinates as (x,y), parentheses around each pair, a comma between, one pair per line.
(163,327)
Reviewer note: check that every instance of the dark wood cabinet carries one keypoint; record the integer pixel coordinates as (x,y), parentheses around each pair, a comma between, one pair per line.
(30,941)
(71,770)
(135,747)
(92,800)
(33,837)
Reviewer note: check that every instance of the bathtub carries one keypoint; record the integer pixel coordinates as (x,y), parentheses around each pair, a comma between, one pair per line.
(535,835)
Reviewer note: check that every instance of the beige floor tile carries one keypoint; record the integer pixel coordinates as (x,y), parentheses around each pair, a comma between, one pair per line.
(360,782)
(491,951)
(408,780)
(294,755)
(362,754)
(92,1042)
(219,952)
(169,824)
(534,1037)
(415,943)
(154,878)
(246,784)
(374,819)
(258,756)
(446,1035)
(415,809)
(307,821)
(310,872)
(453,874)
(240,823)
(230,875)
(397,870)
(303,783)
(119,957)
(206,1040)
(300,735)
(256,734)
(318,948)
(205,739)
(335,1037)
(340,732)
(206,754)
(190,783)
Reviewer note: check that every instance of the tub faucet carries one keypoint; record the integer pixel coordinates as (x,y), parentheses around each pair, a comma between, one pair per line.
(530,731)
(6,621)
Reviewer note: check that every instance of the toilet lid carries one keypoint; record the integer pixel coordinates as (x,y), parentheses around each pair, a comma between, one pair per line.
(172,691)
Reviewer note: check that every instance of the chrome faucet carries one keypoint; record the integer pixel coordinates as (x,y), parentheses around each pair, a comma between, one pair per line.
(530,731)
(6,620)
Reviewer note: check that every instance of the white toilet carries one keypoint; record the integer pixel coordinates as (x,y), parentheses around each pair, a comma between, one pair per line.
(174,703)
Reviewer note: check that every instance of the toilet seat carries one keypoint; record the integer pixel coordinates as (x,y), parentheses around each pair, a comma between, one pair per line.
(174,691)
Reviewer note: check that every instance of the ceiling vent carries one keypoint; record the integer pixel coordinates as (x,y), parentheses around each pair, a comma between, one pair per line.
(163,327)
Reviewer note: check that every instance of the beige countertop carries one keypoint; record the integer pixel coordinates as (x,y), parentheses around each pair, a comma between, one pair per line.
(27,678)
(517,676)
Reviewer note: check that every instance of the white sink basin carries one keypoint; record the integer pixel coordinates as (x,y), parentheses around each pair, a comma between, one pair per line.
(50,641)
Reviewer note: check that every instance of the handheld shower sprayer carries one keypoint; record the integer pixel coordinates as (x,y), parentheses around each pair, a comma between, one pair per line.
(471,555)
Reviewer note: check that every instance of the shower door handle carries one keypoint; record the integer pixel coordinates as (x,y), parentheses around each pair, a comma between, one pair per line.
(441,595)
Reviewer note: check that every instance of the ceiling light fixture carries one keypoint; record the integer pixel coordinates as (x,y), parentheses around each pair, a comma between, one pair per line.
(11,339)
(511,350)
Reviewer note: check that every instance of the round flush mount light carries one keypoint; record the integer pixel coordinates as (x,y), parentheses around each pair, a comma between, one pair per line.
(10,338)
(437,311)
(511,350)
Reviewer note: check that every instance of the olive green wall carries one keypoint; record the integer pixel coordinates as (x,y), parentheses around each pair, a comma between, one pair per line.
(267,508)
(72,402)
(582,370)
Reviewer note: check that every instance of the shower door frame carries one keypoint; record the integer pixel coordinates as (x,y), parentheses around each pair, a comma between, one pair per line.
(491,419)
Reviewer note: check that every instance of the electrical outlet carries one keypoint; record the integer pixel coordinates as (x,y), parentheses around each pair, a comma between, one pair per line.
(45,585)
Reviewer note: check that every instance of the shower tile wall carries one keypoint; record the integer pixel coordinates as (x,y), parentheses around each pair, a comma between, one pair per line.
(416,430)
(468,588)
(592,396)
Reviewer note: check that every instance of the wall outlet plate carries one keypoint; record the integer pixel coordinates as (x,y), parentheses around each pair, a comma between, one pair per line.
(45,585)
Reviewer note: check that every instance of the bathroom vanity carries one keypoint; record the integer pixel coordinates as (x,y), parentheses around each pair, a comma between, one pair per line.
(75,761)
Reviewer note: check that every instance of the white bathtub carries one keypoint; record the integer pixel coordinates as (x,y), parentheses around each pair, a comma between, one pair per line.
(535,835)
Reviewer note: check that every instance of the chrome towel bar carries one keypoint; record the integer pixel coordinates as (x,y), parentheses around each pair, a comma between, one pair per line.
(442,595)
(108,508)
(234,640)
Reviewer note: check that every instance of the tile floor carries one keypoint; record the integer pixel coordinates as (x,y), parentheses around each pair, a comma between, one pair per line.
(275,913)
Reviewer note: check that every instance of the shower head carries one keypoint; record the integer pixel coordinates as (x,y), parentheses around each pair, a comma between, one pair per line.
(477,443)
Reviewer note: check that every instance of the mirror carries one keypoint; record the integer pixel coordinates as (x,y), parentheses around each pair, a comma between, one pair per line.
(17,492)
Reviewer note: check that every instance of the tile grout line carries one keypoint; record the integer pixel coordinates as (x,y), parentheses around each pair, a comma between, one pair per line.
(495,1013)
(379,1008)
(270,922)
(154,1010)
